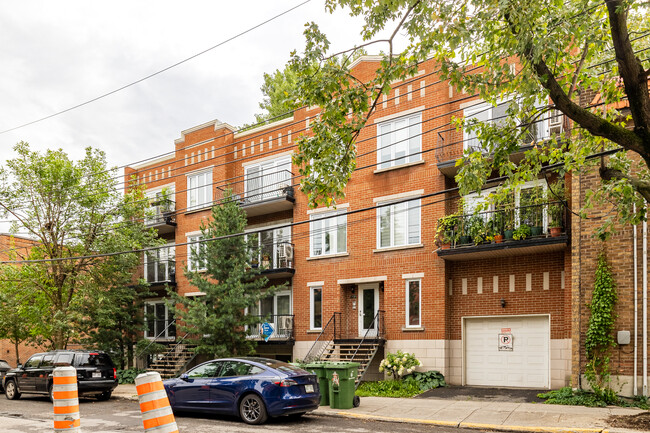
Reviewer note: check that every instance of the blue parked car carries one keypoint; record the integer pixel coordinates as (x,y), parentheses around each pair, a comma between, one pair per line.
(253,388)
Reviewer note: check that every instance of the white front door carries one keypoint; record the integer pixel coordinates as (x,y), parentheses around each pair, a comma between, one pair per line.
(368,307)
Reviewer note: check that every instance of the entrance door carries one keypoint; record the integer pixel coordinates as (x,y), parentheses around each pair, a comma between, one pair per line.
(368,307)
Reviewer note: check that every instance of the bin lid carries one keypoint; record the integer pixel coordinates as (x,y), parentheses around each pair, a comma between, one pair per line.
(317,364)
(341,365)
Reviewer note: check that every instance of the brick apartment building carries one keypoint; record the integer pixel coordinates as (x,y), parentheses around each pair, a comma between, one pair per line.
(373,266)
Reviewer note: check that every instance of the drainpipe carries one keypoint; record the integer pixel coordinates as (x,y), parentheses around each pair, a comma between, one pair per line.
(645,308)
(636,311)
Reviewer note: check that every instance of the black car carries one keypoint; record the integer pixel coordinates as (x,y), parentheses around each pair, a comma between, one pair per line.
(4,368)
(96,374)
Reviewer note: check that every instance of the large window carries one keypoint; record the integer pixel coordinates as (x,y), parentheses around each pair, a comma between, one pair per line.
(413,304)
(199,190)
(267,179)
(275,310)
(316,308)
(159,264)
(275,248)
(328,236)
(399,224)
(159,321)
(196,253)
(399,141)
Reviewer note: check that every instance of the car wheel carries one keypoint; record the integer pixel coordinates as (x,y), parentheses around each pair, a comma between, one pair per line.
(106,395)
(50,393)
(11,390)
(356,401)
(252,409)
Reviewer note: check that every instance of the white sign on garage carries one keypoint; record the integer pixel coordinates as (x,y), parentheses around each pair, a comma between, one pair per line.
(526,365)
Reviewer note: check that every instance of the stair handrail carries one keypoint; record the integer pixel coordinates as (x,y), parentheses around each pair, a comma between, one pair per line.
(316,351)
(376,323)
(154,339)
(172,350)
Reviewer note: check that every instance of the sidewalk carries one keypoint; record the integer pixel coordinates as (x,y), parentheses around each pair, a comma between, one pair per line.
(484,415)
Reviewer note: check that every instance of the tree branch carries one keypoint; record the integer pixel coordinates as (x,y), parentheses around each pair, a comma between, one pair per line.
(642,186)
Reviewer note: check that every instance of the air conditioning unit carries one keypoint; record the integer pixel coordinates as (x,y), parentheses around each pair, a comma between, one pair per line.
(286,323)
(286,251)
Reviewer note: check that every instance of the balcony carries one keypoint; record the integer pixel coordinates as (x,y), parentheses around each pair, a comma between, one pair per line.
(162,216)
(533,229)
(267,193)
(160,272)
(276,260)
(282,328)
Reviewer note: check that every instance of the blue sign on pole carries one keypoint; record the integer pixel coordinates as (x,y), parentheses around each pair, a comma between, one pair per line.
(267,331)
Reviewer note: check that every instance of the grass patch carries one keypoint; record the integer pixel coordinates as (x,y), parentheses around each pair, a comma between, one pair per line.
(389,388)
(579,397)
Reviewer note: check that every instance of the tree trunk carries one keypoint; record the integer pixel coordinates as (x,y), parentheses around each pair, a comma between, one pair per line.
(16,344)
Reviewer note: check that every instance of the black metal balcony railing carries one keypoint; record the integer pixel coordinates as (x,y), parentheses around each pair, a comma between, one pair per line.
(162,212)
(508,224)
(160,271)
(275,256)
(282,327)
(268,186)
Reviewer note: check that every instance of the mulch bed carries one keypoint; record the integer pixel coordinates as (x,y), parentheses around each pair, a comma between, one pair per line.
(640,421)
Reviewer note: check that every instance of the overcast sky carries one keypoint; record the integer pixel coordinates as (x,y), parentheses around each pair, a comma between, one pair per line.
(56,54)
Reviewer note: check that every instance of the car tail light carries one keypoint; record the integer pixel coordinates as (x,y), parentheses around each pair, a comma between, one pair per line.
(114,373)
(286,382)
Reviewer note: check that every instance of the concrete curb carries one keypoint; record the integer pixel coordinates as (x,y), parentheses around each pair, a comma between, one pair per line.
(465,425)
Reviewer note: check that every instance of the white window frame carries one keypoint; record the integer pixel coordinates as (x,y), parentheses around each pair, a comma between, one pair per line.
(191,247)
(312,307)
(202,190)
(168,317)
(153,196)
(407,308)
(166,253)
(273,168)
(277,240)
(412,203)
(389,142)
(336,220)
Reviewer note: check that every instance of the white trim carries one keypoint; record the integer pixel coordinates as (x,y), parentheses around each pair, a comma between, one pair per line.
(216,122)
(330,217)
(372,332)
(361,280)
(268,158)
(399,196)
(199,170)
(328,256)
(407,309)
(311,308)
(399,114)
(397,248)
(191,294)
(413,276)
(194,233)
(328,209)
(152,161)
(397,167)
(368,58)
(471,103)
(315,283)
(263,127)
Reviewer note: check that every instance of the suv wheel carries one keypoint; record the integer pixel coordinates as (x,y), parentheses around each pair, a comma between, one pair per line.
(11,391)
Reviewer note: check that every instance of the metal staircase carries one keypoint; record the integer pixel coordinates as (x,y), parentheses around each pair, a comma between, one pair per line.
(329,346)
(175,360)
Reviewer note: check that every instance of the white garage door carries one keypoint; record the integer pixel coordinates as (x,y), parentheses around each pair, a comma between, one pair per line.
(526,365)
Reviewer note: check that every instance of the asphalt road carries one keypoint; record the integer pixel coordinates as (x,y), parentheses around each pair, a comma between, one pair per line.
(33,414)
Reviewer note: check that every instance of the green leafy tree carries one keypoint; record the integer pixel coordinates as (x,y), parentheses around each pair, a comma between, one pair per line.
(562,49)
(230,285)
(78,218)
(279,95)
(18,313)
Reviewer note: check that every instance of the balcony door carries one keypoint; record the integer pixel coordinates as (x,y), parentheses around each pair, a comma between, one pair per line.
(368,308)
(267,179)
(159,321)
(275,310)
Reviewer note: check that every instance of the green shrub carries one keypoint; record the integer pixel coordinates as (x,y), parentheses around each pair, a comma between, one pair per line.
(399,364)
(128,376)
(428,380)
(389,388)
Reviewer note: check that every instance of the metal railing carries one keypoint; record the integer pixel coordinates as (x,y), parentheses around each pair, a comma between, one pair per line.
(157,337)
(329,333)
(160,271)
(377,325)
(267,186)
(162,212)
(282,327)
(277,255)
(507,223)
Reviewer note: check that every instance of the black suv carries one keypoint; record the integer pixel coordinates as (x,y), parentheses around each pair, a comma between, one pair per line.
(96,374)
(4,368)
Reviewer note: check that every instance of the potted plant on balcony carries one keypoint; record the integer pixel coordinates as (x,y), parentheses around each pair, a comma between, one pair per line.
(521,232)
(165,203)
(535,205)
(556,208)
(477,229)
(463,236)
(446,229)
(495,227)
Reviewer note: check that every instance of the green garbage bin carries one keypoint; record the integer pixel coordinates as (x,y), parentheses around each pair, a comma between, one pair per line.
(318,368)
(341,377)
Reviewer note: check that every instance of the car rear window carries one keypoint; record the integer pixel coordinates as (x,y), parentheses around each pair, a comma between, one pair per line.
(93,360)
(279,365)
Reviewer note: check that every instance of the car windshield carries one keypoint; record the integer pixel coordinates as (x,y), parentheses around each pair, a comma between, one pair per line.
(93,360)
(279,365)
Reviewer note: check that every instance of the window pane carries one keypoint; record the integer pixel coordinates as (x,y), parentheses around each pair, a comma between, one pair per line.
(267,306)
(399,224)
(384,226)
(401,141)
(414,303)
(341,234)
(414,222)
(203,371)
(317,302)
(385,144)
(284,304)
(414,139)
(316,238)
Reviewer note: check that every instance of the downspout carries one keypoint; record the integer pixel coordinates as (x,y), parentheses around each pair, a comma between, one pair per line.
(636,311)
(645,308)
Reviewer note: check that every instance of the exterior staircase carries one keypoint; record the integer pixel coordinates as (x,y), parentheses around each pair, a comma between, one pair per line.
(329,347)
(174,361)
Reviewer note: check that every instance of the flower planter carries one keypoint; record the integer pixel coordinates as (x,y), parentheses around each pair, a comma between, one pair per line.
(498,238)
(555,231)
(508,234)
(464,240)
(536,231)
(446,246)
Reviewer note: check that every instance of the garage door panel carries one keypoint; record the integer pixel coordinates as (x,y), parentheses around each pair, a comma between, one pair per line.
(526,365)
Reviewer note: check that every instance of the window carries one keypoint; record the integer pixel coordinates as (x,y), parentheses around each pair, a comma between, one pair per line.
(159,321)
(162,205)
(238,368)
(204,370)
(267,179)
(399,141)
(399,224)
(275,310)
(328,236)
(316,308)
(159,265)
(48,360)
(413,304)
(33,361)
(484,112)
(196,252)
(65,358)
(199,190)
(275,248)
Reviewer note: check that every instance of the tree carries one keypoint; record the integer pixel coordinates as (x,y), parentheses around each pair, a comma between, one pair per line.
(279,95)
(230,285)
(81,223)
(562,49)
